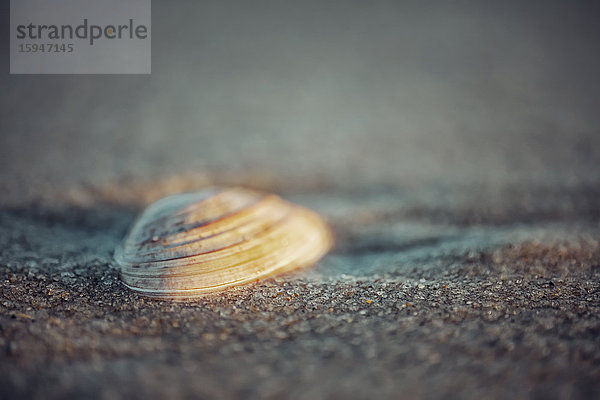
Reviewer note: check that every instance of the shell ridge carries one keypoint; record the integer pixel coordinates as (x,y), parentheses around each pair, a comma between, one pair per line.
(149,218)
(179,244)
(266,231)
(195,243)
(264,257)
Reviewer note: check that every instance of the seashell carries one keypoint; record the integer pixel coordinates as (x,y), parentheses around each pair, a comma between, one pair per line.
(194,243)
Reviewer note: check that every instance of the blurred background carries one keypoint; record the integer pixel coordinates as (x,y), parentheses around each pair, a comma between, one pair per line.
(339,95)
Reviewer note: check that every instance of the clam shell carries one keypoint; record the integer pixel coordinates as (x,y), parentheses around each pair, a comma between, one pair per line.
(194,243)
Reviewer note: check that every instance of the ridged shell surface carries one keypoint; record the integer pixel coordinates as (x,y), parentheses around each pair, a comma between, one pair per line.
(194,243)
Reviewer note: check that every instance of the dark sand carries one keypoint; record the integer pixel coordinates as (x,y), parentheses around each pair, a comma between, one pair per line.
(414,302)
(453,146)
